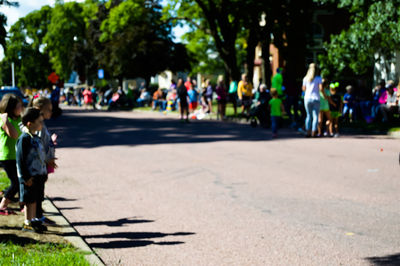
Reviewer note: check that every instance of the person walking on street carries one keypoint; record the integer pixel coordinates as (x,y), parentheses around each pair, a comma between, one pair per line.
(183,101)
(277,82)
(277,109)
(312,85)
(232,94)
(221,98)
(209,96)
(324,112)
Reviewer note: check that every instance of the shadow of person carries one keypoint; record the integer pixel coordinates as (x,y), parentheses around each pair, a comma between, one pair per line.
(17,240)
(119,222)
(132,244)
(385,260)
(135,239)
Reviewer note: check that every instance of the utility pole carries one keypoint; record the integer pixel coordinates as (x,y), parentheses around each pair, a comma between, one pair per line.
(12,74)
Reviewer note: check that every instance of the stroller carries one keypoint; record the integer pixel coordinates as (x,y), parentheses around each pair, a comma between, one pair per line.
(259,114)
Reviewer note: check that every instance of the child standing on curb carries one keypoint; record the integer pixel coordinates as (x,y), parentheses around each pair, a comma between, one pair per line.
(31,168)
(44,105)
(277,109)
(11,109)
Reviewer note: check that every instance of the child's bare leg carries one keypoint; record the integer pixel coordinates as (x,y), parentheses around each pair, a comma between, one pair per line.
(4,203)
(329,122)
(320,120)
(336,125)
(30,211)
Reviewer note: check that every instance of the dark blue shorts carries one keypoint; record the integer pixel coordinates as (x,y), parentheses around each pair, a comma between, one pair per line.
(34,193)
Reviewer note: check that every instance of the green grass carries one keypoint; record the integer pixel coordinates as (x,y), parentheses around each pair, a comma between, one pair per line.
(17,250)
(40,254)
(394,129)
(4,181)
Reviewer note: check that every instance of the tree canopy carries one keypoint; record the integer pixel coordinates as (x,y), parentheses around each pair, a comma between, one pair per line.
(3,22)
(375,30)
(25,48)
(126,38)
(138,42)
(235,29)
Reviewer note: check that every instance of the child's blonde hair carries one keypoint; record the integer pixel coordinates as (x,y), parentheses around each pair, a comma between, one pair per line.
(39,102)
(274,92)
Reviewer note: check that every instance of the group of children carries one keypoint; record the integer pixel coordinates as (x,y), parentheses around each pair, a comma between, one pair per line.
(27,154)
(331,106)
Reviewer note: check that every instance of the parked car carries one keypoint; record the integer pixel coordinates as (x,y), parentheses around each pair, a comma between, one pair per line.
(14,90)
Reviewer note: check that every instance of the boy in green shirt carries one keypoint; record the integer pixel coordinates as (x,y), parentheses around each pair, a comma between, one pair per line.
(277,109)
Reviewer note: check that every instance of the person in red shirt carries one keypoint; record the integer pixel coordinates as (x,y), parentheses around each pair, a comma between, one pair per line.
(188,84)
(87,97)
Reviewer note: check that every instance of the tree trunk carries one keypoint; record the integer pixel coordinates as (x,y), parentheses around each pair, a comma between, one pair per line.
(252,42)
(228,56)
(265,43)
(224,34)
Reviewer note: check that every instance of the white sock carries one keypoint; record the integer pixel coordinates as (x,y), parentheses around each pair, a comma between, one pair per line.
(27,222)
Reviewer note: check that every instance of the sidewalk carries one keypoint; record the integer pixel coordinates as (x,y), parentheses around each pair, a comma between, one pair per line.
(10,229)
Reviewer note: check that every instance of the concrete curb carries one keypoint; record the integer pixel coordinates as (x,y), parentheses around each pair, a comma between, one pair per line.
(71,235)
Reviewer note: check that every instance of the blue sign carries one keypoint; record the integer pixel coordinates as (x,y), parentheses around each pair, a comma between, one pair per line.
(100,73)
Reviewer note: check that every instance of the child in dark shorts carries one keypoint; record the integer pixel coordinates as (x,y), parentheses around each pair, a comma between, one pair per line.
(44,105)
(31,167)
(335,107)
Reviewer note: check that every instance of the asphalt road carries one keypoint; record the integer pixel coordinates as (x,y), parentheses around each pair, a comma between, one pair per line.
(143,189)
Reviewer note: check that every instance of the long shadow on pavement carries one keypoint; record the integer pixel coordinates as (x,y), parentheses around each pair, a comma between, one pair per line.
(61,199)
(385,260)
(135,239)
(94,129)
(117,223)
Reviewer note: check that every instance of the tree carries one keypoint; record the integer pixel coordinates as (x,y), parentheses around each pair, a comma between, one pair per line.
(26,49)
(66,31)
(235,26)
(138,43)
(374,31)
(218,18)
(201,47)
(3,22)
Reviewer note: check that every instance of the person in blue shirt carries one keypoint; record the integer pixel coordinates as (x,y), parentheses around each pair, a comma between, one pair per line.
(193,99)
(349,102)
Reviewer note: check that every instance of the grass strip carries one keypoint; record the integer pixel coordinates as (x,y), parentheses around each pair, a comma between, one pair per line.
(4,181)
(18,250)
(40,254)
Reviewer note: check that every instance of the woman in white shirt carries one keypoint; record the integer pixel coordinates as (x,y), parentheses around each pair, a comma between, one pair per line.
(312,85)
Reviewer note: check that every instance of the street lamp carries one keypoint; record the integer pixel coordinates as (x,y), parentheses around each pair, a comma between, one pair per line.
(263,20)
(263,24)
(12,74)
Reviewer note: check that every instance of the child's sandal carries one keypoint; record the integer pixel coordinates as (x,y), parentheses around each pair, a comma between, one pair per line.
(6,211)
